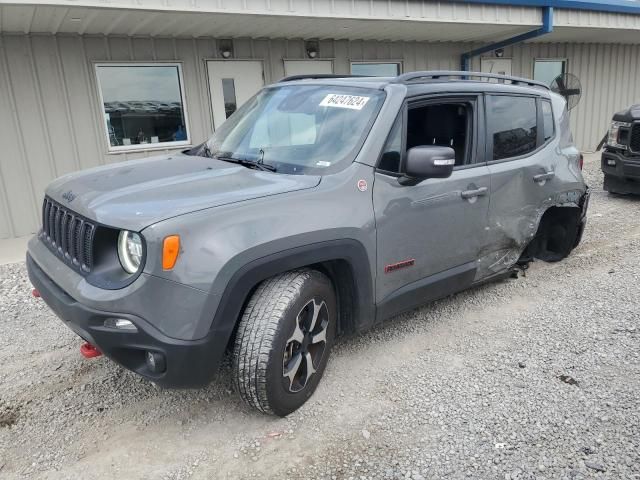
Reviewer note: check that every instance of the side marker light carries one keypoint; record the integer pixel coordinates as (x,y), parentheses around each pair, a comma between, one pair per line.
(170,251)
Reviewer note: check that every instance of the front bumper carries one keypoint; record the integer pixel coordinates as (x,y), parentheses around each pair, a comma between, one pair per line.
(624,176)
(189,363)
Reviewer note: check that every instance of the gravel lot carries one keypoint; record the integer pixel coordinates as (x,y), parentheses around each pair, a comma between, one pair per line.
(537,377)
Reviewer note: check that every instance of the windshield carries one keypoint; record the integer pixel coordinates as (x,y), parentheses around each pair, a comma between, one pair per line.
(299,129)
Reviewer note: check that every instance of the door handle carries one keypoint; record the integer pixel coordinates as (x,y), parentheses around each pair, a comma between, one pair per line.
(478,192)
(544,176)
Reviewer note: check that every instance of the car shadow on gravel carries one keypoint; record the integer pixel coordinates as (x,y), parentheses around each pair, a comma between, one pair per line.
(103,392)
(426,316)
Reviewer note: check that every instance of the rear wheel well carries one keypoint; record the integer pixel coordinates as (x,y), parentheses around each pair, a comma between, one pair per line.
(557,235)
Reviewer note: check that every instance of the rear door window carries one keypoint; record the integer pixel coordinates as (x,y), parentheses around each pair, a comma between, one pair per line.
(547,119)
(513,125)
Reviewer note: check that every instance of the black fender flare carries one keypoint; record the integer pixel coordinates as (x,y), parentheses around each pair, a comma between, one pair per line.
(249,275)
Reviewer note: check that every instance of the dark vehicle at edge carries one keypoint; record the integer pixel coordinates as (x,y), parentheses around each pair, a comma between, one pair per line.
(621,154)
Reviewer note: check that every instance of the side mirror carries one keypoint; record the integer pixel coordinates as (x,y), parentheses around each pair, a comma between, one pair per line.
(428,161)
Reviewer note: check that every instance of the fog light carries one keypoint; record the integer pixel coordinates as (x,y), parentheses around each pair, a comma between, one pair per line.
(155,362)
(611,162)
(120,324)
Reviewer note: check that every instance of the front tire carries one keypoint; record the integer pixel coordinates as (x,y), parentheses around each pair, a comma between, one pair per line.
(283,341)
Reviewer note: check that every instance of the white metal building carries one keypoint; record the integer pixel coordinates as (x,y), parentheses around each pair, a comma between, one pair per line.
(88,82)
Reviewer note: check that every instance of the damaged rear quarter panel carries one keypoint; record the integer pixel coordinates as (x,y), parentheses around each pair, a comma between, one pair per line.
(518,202)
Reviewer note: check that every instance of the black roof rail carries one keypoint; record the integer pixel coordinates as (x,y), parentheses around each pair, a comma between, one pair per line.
(438,74)
(312,76)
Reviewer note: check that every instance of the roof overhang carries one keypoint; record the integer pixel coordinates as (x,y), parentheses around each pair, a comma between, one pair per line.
(409,21)
(610,6)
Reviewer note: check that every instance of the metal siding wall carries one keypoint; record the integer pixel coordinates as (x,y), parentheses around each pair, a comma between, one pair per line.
(609,81)
(51,124)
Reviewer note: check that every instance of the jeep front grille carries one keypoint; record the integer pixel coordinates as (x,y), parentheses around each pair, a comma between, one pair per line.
(634,138)
(68,235)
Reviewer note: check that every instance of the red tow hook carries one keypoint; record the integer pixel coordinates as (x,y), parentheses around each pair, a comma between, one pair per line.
(89,351)
(35,293)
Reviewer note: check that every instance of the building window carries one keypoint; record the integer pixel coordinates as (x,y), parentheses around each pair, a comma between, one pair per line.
(546,70)
(376,69)
(229,96)
(143,105)
(513,125)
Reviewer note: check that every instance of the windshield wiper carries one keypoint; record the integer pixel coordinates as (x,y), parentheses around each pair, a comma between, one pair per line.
(248,163)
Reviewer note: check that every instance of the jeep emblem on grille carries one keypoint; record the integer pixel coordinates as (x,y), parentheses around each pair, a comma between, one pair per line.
(69,196)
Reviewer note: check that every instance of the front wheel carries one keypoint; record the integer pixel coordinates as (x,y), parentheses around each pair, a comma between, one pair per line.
(284,339)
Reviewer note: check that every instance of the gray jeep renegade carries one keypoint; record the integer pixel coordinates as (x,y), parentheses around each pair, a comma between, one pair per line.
(322,207)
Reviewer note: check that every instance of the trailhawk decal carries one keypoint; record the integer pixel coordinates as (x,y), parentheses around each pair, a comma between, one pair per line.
(397,266)
(353,102)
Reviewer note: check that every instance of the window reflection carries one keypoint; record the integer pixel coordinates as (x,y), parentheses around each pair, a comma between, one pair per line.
(547,70)
(513,125)
(143,104)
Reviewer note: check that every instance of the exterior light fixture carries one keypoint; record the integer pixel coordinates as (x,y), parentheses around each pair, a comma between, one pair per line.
(499,52)
(226,48)
(311,48)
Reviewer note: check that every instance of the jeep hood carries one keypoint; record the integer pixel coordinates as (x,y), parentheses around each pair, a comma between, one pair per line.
(136,194)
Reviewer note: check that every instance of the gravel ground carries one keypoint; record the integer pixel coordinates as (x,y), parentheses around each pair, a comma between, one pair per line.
(537,377)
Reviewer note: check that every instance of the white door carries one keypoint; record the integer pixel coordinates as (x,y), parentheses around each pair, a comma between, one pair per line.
(307,67)
(231,83)
(501,66)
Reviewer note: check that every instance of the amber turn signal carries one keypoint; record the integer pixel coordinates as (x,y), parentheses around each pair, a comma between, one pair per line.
(170,251)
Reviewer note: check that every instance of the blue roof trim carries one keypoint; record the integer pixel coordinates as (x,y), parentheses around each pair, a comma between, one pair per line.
(611,6)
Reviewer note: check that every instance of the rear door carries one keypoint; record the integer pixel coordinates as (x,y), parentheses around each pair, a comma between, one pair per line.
(500,66)
(523,168)
(430,234)
(307,67)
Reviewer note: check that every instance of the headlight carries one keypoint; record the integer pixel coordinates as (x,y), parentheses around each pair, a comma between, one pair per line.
(130,251)
(614,133)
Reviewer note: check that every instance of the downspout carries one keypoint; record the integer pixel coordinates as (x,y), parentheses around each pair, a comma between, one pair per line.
(547,27)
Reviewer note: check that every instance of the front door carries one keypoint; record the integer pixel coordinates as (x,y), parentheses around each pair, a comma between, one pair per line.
(307,67)
(430,234)
(231,83)
(500,66)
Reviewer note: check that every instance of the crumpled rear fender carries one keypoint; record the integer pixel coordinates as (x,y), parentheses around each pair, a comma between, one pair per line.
(517,236)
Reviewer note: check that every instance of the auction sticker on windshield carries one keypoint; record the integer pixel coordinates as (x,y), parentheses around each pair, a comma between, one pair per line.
(354,102)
